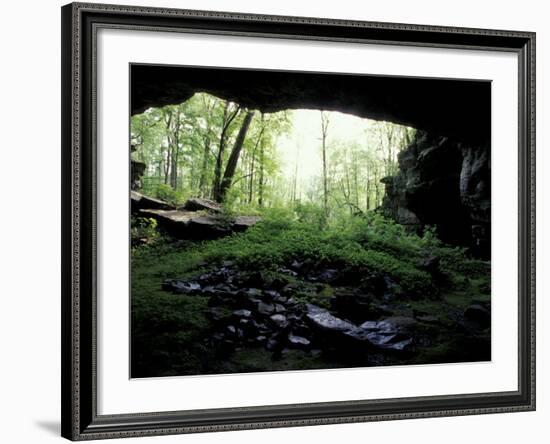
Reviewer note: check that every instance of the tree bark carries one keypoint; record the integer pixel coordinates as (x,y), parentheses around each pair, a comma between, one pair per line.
(324,132)
(226,121)
(233,158)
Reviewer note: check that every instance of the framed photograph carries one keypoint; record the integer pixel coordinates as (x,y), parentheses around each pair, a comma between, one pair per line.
(280,221)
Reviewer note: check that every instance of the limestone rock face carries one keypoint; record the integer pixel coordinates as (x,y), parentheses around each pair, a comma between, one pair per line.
(444,183)
(460,109)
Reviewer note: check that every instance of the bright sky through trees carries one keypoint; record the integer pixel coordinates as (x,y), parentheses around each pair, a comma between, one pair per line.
(302,145)
(212,148)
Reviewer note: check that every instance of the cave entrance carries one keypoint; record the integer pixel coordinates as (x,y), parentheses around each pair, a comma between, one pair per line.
(442,180)
(289,221)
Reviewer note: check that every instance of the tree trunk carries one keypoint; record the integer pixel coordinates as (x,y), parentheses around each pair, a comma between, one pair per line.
(226,121)
(202,180)
(261,178)
(233,158)
(324,131)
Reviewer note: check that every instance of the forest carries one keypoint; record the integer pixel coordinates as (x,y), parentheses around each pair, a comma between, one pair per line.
(259,243)
(211,148)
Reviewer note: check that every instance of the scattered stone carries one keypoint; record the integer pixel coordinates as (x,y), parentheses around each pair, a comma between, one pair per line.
(279,320)
(329,275)
(322,320)
(298,341)
(385,335)
(285,270)
(243,313)
(265,309)
(177,286)
(271,295)
(216,314)
(280,299)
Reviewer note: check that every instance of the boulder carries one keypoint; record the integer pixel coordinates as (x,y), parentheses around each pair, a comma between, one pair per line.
(243,223)
(141,202)
(389,334)
(299,342)
(279,320)
(201,204)
(192,225)
(323,321)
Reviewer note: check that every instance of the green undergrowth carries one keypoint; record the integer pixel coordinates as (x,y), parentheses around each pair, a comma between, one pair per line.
(169,330)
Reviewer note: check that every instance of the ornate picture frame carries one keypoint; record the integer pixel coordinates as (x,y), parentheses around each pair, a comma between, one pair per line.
(81,418)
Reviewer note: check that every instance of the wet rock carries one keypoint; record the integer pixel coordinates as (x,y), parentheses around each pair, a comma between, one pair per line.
(280,299)
(287,271)
(279,320)
(298,341)
(279,308)
(243,313)
(322,320)
(253,293)
(271,295)
(265,309)
(386,334)
(183,287)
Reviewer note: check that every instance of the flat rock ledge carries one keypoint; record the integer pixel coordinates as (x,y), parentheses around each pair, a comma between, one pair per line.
(186,224)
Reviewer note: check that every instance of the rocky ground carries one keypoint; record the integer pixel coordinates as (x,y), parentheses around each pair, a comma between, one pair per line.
(212,296)
(306,316)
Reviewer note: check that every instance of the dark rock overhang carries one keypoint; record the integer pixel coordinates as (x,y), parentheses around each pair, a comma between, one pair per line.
(456,108)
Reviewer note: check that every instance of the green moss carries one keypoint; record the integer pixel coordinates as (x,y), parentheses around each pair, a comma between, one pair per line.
(169,331)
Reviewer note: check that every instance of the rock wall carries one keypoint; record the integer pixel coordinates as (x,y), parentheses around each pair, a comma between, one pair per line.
(443,183)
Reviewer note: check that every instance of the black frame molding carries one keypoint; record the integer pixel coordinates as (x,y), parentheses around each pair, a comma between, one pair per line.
(80,420)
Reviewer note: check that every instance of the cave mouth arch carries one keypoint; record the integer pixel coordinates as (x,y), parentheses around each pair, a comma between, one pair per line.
(447,168)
